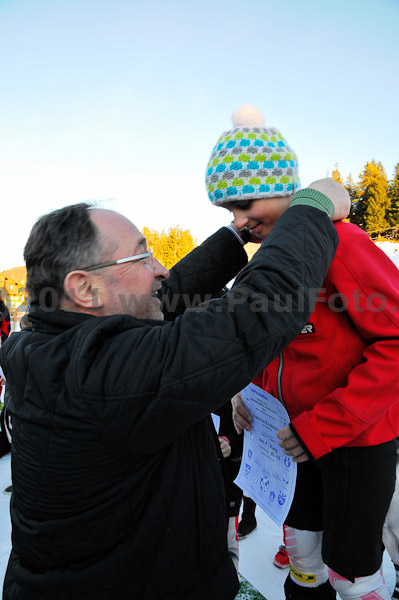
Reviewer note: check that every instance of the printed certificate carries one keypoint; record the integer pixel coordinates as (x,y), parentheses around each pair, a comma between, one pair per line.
(266,474)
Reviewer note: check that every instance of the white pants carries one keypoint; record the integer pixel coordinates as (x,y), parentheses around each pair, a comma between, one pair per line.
(308,570)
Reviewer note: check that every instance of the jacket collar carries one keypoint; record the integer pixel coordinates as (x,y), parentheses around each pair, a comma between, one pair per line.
(56,321)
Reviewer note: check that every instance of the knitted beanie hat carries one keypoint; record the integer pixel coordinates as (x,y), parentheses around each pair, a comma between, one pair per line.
(251,161)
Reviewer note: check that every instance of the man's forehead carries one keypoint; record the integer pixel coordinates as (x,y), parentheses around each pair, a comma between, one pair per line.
(119,235)
(112,223)
(104,217)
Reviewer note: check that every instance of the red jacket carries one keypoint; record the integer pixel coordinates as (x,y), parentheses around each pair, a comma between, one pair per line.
(340,376)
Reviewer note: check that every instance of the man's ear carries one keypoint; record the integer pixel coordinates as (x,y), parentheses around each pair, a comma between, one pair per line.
(80,289)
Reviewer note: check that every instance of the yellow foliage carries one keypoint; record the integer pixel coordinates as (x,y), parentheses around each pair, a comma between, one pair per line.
(372,172)
(169,246)
(336,175)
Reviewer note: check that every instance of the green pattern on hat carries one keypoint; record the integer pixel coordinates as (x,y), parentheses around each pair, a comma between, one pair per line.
(251,161)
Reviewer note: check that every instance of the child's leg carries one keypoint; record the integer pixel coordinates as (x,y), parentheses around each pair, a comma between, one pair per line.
(248,520)
(358,484)
(371,587)
(232,541)
(304,550)
(308,578)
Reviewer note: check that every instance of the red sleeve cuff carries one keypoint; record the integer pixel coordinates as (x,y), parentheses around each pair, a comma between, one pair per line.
(311,438)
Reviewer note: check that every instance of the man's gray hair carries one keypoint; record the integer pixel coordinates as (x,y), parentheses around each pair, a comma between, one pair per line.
(60,242)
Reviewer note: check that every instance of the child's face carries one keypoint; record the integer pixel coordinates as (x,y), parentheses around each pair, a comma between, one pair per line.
(259,216)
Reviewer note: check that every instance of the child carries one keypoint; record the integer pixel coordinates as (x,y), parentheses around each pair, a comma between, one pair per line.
(230,451)
(248,521)
(339,379)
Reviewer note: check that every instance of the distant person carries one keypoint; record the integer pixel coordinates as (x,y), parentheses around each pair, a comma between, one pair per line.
(5,322)
(5,328)
(5,417)
(390,532)
(24,321)
(248,521)
(339,378)
(5,430)
(117,490)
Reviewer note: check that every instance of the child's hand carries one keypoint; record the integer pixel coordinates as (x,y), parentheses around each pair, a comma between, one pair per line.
(241,417)
(225,447)
(291,445)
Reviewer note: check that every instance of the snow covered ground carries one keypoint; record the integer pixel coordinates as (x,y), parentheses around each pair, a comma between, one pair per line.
(391,249)
(256,551)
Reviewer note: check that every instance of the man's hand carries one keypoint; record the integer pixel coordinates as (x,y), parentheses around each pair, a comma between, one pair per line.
(224,447)
(241,417)
(291,445)
(337,194)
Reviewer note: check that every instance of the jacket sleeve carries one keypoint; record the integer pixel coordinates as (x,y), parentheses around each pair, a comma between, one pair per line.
(203,273)
(158,379)
(368,284)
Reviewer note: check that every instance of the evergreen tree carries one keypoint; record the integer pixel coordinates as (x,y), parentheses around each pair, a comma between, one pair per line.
(336,175)
(352,190)
(393,193)
(371,210)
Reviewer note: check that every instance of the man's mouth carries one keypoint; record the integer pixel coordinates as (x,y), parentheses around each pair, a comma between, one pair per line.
(155,291)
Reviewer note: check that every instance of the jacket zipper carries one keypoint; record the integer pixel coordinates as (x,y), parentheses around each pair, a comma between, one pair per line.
(280,370)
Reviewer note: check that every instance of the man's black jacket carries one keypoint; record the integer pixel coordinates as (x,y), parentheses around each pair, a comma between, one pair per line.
(117,488)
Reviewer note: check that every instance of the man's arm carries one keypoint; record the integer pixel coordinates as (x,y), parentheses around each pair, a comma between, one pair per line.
(201,274)
(171,375)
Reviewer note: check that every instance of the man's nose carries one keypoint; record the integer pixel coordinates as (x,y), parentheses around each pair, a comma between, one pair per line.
(160,272)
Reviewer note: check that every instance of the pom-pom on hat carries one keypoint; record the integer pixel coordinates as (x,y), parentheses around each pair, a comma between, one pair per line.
(251,161)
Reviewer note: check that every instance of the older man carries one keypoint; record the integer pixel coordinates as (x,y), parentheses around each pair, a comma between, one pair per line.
(117,490)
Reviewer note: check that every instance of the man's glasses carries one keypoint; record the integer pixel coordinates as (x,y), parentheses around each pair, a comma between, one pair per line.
(119,261)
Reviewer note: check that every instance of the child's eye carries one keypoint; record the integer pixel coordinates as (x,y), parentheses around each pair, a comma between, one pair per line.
(243,205)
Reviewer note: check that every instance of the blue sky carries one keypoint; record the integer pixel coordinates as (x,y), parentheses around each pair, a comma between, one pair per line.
(122,102)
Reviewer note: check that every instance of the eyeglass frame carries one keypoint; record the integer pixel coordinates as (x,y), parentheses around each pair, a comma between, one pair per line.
(119,261)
